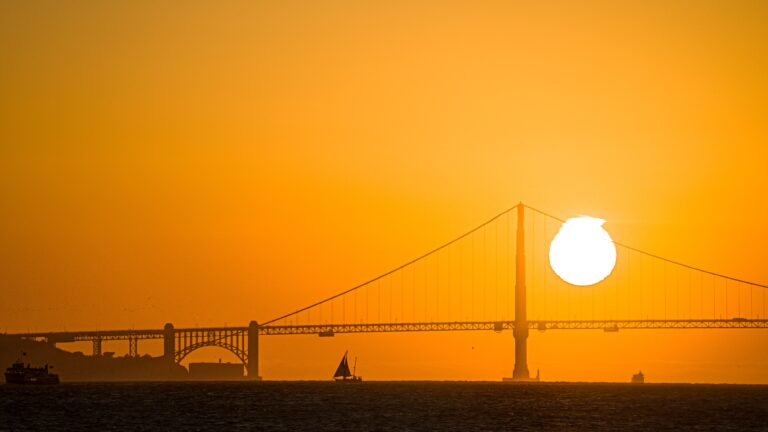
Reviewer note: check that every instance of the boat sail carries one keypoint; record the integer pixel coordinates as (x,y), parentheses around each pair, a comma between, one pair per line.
(343,373)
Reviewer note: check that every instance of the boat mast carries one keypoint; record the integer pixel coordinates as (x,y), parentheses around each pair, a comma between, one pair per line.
(354,368)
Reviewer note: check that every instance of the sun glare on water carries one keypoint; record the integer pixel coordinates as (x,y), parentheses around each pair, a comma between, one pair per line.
(582,253)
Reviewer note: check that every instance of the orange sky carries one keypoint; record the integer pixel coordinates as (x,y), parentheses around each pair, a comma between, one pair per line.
(210,163)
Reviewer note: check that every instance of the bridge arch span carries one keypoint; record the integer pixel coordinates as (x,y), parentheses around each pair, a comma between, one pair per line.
(231,339)
(239,353)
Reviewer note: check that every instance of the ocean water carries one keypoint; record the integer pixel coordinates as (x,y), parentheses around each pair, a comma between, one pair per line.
(382,406)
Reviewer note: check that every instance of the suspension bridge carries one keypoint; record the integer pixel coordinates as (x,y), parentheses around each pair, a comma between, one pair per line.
(494,277)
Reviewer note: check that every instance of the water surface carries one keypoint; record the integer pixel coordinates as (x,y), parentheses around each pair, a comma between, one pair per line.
(382,406)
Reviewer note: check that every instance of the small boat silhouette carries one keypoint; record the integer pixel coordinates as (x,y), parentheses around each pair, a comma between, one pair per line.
(342,372)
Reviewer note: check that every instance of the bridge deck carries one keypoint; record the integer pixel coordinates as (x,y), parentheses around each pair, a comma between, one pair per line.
(76,336)
(330,329)
(606,325)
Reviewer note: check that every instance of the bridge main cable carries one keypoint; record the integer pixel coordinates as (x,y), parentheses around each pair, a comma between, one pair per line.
(383,275)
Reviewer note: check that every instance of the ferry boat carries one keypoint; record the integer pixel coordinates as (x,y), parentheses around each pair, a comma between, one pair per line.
(343,374)
(20,374)
(638,378)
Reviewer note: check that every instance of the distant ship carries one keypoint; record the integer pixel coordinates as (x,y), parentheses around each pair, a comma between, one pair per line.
(638,378)
(20,374)
(342,372)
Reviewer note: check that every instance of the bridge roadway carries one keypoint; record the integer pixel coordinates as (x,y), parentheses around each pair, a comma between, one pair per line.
(328,329)
(606,325)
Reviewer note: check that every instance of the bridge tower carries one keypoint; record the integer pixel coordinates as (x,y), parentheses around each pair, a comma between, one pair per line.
(520,372)
(253,351)
(169,346)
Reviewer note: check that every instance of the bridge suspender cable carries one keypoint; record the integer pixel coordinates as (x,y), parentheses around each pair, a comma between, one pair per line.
(665,259)
(415,260)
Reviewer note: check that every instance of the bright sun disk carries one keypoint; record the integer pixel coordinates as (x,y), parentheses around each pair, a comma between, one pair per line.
(582,253)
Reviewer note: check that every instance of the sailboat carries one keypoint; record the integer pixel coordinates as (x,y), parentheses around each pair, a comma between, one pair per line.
(342,372)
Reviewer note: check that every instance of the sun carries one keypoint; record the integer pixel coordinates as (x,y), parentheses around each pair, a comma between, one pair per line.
(582,253)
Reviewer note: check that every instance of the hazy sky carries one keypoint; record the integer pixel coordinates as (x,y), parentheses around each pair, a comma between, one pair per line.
(209,163)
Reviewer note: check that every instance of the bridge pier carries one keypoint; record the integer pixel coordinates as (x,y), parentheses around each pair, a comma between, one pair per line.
(133,347)
(169,345)
(253,351)
(96,347)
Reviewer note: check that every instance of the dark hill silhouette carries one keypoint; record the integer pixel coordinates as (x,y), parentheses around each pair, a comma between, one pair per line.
(79,367)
